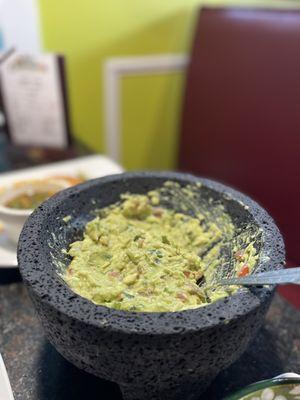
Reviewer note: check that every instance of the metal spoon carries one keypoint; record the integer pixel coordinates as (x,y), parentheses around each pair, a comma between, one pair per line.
(277,277)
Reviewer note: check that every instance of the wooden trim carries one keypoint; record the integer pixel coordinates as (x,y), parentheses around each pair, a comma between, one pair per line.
(114,70)
(61,62)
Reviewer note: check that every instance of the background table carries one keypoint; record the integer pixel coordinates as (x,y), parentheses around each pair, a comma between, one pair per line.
(38,372)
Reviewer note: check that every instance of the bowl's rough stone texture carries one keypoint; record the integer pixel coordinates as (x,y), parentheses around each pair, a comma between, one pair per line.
(150,355)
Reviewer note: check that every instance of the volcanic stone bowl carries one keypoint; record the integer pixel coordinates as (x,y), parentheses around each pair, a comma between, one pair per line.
(159,355)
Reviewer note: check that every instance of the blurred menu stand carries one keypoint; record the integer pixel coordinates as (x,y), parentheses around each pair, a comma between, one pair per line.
(34,115)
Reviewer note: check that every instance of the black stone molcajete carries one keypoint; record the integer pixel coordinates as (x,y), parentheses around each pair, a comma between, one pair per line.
(150,355)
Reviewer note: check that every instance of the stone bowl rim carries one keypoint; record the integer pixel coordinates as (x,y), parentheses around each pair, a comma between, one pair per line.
(147,323)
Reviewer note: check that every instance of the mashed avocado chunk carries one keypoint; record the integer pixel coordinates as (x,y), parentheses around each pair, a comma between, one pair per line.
(140,256)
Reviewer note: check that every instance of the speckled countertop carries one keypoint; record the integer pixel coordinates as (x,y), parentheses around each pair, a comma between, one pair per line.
(38,372)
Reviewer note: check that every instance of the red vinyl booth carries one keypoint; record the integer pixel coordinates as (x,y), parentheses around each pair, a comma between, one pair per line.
(241,111)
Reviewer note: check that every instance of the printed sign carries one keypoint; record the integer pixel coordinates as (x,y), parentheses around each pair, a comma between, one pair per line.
(32,92)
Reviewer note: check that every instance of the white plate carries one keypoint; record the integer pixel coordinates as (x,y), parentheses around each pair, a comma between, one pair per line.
(8,251)
(5,388)
(91,167)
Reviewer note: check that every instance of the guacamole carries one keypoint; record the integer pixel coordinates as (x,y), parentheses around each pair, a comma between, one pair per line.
(141,256)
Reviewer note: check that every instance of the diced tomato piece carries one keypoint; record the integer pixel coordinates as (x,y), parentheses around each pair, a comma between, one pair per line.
(187,273)
(239,255)
(244,270)
(181,296)
(113,274)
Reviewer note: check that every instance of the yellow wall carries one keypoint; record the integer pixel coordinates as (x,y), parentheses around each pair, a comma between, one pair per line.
(90,31)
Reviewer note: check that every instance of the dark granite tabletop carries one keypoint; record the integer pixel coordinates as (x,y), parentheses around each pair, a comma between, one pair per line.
(38,372)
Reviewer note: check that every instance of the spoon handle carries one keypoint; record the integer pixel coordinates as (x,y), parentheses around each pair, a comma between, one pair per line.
(276,277)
